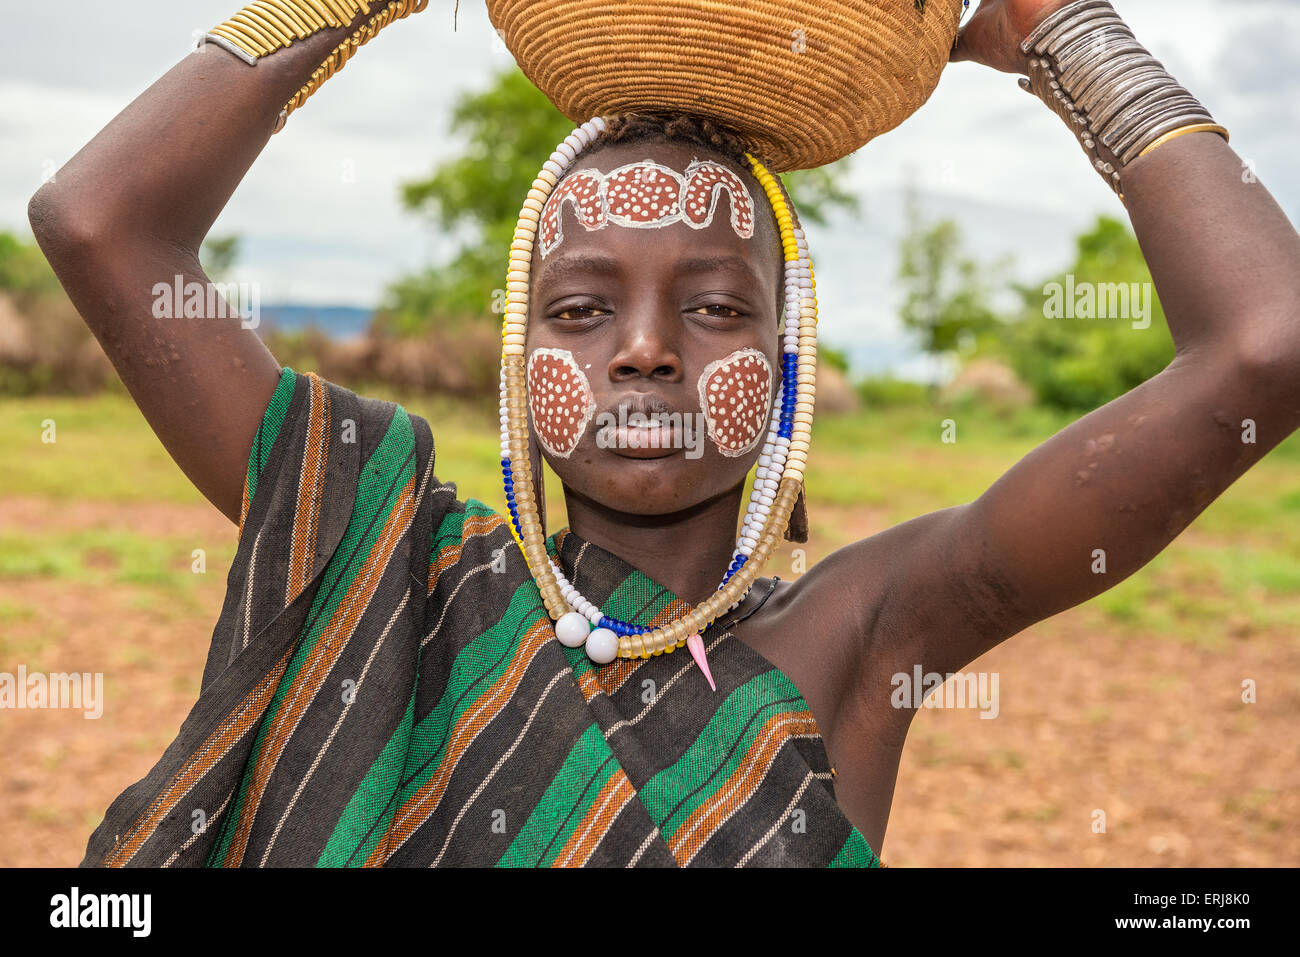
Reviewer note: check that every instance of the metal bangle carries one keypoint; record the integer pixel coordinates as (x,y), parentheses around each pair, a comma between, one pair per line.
(1118,100)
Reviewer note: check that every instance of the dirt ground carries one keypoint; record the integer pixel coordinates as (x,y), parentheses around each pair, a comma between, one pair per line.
(1148,736)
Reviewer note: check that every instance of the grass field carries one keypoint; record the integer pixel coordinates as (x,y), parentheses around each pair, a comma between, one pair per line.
(1130,705)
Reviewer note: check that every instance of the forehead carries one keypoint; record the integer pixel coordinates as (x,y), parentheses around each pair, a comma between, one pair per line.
(631,199)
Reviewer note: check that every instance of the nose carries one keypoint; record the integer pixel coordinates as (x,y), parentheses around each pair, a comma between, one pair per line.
(648,348)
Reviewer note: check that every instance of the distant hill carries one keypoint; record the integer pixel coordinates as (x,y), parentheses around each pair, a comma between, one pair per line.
(338,322)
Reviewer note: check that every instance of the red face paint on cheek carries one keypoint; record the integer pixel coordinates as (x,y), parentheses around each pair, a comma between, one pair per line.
(736,396)
(560,399)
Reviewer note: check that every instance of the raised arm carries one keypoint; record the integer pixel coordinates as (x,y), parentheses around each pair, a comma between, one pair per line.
(1129,477)
(130,211)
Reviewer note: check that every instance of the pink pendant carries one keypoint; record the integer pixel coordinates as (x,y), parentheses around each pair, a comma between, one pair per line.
(696,645)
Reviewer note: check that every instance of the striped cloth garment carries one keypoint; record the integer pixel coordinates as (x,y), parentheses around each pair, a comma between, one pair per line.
(384,687)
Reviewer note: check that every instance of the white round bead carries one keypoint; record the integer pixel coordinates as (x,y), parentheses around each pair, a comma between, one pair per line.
(572,630)
(602,646)
(592,613)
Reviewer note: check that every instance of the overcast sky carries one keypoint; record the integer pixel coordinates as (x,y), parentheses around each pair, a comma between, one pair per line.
(981,150)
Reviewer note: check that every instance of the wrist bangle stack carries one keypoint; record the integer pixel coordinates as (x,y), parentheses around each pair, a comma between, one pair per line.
(1087,66)
(264,26)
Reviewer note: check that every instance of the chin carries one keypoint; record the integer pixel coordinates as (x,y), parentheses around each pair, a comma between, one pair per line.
(651,481)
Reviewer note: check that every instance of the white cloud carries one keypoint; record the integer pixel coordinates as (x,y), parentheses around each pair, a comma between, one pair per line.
(981,150)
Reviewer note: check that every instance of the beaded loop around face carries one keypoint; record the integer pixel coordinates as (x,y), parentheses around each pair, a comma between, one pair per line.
(781,463)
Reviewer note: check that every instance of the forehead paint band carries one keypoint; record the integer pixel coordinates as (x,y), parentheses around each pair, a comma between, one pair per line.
(646,195)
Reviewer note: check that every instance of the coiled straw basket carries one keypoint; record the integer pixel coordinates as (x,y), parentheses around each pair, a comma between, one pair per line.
(807,82)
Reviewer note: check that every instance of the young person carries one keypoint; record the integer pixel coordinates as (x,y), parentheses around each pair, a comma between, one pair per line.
(386,684)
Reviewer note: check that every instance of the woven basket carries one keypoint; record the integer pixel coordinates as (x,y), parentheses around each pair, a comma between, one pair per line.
(806,81)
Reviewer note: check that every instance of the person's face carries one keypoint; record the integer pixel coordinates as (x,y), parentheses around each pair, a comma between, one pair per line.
(643,311)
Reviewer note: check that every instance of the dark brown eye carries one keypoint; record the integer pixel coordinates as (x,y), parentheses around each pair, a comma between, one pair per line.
(583,309)
(718,305)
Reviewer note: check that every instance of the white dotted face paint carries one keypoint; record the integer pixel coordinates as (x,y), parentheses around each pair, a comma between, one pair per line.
(560,399)
(736,396)
(646,195)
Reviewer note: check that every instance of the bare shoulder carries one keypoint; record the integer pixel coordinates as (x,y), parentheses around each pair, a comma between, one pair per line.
(842,628)
(866,593)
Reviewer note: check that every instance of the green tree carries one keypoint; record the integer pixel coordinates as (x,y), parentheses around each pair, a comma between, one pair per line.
(475,197)
(946,293)
(1069,346)
(24,272)
(218,256)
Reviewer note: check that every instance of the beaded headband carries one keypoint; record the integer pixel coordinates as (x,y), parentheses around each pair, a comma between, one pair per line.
(778,480)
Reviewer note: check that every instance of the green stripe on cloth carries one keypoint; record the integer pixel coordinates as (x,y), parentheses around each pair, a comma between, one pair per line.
(856,852)
(356,835)
(468,672)
(637,600)
(448,532)
(382,479)
(452,529)
(672,794)
(423,747)
(589,765)
(269,429)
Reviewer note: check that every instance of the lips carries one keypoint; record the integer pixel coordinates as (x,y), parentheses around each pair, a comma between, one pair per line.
(653,440)
(644,403)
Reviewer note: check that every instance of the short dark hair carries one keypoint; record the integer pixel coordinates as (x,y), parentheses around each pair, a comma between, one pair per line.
(685,128)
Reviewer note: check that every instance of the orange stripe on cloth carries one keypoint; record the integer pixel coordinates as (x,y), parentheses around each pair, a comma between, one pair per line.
(449,556)
(607,806)
(320,661)
(420,805)
(740,785)
(311,485)
(235,725)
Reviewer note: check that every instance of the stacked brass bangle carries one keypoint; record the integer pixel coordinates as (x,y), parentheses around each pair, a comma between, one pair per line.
(1087,66)
(264,26)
